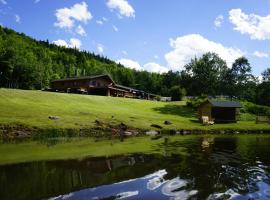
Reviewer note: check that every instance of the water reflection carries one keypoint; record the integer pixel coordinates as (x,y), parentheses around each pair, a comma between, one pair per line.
(227,167)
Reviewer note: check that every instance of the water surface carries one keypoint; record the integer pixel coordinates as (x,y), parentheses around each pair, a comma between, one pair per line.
(212,167)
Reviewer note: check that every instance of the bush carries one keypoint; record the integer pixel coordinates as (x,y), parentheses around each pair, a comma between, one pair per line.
(255,109)
(177,93)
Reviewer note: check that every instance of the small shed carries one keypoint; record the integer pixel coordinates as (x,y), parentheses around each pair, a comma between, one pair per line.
(220,111)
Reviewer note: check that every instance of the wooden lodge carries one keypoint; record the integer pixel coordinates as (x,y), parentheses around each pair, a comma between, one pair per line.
(219,111)
(102,85)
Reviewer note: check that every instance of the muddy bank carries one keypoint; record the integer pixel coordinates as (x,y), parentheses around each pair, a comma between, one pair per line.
(9,132)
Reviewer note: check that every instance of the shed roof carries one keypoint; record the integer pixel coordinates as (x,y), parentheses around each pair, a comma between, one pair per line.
(225,104)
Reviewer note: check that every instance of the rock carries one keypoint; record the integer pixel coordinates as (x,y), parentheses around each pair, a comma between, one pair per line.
(222,132)
(128,133)
(21,134)
(167,122)
(156,126)
(186,132)
(54,117)
(152,133)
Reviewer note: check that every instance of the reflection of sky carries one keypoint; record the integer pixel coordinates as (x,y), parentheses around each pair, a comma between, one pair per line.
(152,186)
(263,193)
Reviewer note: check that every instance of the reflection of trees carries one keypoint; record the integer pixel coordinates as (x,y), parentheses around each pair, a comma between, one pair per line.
(254,147)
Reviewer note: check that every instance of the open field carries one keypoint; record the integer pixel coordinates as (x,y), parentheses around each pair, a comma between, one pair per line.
(32,108)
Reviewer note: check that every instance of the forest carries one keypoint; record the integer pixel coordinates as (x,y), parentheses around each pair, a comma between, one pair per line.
(26,63)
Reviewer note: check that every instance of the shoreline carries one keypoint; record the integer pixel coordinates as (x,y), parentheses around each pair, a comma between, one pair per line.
(19,131)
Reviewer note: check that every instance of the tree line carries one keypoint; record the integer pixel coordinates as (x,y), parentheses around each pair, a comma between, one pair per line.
(30,64)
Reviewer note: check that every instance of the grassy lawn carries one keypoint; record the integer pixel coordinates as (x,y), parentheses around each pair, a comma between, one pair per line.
(32,108)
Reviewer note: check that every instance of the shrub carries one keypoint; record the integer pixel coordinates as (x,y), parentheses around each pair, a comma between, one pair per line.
(177,93)
(255,109)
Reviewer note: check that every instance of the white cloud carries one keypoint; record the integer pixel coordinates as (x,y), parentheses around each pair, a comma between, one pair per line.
(218,21)
(115,28)
(80,30)
(156,56)
(102,21)
(62,43)
(124,52)
(105,19)
(100,48)
(129,63)
(123,7)
(73,43)
(3,2)
(257,27)
(150,67)
(66,17)
(260,54)
(37,1)
(99,22)
(18,19)
(189,46)
(154,67)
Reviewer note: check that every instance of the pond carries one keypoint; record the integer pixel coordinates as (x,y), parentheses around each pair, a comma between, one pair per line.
(212,167)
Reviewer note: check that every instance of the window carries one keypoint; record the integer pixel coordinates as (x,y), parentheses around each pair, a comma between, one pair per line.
(93,83)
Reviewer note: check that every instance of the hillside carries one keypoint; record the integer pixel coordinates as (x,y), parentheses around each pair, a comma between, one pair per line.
(32,109)
(27,63)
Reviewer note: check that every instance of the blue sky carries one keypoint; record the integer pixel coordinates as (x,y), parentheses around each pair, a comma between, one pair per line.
(156,35)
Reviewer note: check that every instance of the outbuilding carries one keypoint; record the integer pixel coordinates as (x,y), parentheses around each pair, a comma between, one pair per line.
(220,111)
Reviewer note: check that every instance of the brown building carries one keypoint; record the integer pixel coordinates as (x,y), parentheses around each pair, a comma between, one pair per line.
(102,85)
(220,111)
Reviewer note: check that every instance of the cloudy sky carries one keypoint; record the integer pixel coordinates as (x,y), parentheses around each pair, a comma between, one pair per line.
(155,35)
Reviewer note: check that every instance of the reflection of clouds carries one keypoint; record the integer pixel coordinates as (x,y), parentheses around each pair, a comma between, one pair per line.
(62,197)
(124,195)
(159,173)
(153,185)
(175,189)
(157,179)
(229,194)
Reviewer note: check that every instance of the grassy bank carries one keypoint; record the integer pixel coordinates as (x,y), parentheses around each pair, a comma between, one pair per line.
(32,109)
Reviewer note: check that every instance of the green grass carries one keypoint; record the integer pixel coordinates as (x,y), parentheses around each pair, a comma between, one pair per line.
(32,108)
(78,148)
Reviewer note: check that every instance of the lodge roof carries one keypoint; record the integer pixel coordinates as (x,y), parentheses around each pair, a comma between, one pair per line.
(225,104)
(84,78)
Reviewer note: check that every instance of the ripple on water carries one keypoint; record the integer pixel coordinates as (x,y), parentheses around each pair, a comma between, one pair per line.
(245,182)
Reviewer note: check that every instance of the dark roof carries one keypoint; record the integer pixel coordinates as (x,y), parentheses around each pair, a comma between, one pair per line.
(125,87)
(84,78)
(225,104)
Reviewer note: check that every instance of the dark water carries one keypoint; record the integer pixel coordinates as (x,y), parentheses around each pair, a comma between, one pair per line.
(231,167)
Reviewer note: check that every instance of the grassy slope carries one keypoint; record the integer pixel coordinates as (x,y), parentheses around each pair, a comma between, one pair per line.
(32,108)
